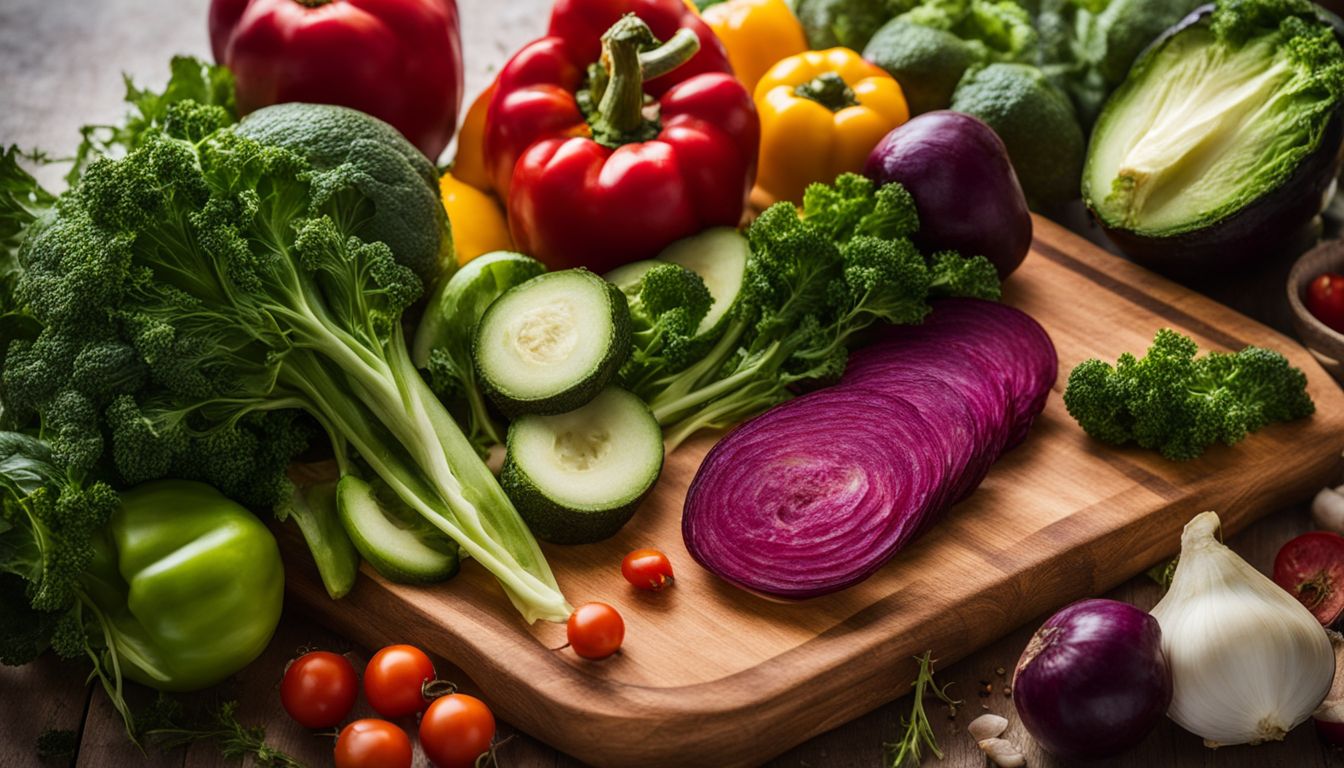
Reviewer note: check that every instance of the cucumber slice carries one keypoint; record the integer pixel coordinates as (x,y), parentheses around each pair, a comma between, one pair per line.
(396,549)
(719,257)
(578,477)
(551,344)
(627,276)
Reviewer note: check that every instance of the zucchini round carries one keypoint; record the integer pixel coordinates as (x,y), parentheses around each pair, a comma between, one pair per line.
(400,552)
(577,477)
(627,276)
(551,344)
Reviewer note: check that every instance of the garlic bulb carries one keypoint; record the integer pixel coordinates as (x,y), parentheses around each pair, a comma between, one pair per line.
(1249,663)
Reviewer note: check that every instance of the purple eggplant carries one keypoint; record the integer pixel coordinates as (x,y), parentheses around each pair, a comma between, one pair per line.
(968,197)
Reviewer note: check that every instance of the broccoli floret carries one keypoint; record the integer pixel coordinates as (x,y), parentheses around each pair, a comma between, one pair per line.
(200,292)
(850,207)
(1178,404)
(190,79)
(812,283)
(953,275)
(665,313)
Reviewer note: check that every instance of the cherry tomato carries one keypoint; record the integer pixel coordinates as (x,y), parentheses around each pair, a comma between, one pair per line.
(373,743)
(319,689)
(647,569)
(595,630)
(1325,299)
(394,680)
(455,730)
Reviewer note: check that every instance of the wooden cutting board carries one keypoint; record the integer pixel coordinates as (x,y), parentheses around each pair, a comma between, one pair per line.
(710,675)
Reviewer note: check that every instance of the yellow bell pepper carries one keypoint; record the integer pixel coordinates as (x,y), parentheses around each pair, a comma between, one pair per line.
(477,219)
(821,112)
(757,33)
(469,163)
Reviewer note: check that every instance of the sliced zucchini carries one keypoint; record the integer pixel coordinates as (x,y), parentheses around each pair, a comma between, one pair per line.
(627,276)
(393,544)
(719,257)
(551,344)
(578,477)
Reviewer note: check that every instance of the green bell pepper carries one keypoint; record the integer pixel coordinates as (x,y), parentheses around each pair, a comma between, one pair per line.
(190,583)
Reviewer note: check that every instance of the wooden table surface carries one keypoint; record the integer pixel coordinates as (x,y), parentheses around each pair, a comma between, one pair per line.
(60,67)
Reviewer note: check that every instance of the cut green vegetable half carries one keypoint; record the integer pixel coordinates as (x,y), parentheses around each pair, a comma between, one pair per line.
(457,305)
(313,508)
(578,477)
(1225,134)
(394,545)
(551,344)
(719,257)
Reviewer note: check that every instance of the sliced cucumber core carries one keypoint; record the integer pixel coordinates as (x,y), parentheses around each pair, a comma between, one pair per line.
(551,344)
(578,477)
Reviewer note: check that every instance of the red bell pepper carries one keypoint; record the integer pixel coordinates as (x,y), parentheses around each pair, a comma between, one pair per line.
(536,99)
(398,60)
(615,186)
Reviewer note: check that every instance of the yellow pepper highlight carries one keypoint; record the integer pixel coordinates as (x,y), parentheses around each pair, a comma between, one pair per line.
(477,219)
(821,112)
(757,33)
(469,163)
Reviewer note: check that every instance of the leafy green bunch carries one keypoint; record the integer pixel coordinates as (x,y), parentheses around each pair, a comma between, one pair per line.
(813,282)
(206,304)
(1179,404)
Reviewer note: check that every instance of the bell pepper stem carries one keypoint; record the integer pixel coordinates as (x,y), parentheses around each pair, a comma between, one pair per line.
(630,55)
(829,90)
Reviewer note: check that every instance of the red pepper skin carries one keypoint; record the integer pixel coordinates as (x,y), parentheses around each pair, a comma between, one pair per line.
(535,97)
(574,202)
(398,60)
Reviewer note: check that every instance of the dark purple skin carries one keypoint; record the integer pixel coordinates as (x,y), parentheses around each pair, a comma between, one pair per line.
(1259,230)
(967,195)
(1093,681)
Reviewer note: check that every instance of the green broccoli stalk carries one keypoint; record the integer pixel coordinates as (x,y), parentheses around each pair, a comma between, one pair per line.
(1172,402)
(197,293)
(812,283)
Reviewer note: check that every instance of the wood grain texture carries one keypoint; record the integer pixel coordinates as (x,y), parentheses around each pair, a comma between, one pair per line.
(712,675)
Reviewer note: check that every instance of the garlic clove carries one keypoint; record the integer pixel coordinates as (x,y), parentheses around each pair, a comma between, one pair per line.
(1249,663)
(1003,753)
(987,726)
(1327,509)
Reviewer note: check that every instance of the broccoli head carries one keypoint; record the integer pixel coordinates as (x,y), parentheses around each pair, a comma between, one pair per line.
(1179,404)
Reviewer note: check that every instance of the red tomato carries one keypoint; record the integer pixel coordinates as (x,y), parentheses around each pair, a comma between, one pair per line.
(647,569)
(395,678)
(319,689)
(455,730)
(1311,568)
(595,630)
(1325,299)
(373,743)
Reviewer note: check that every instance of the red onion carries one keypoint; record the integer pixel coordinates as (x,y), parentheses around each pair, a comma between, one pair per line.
(1093,681)
(965,190)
